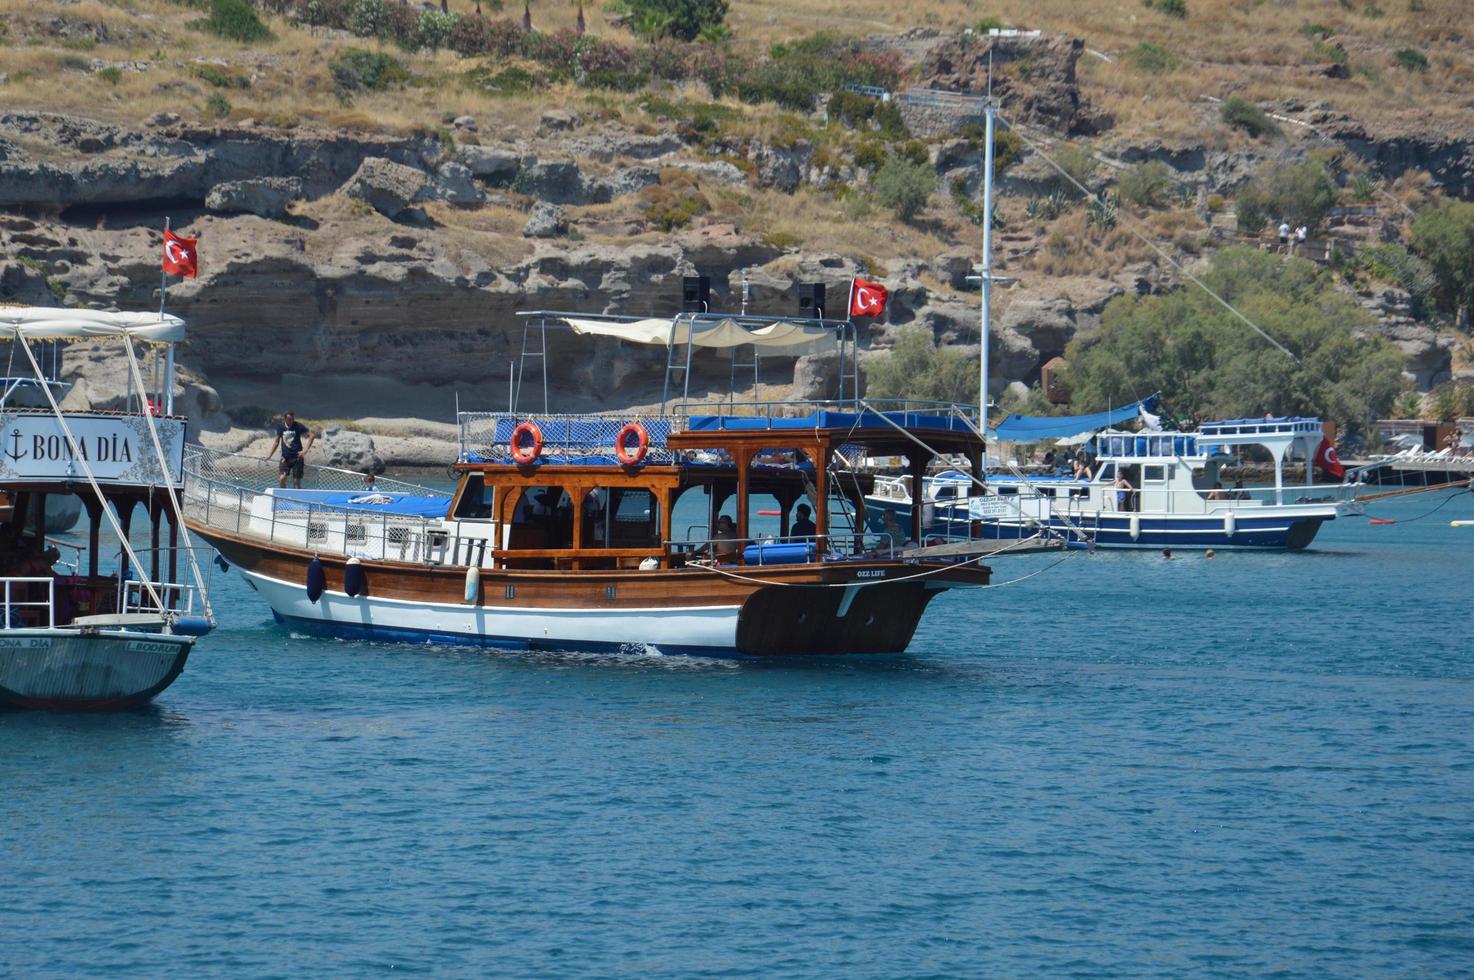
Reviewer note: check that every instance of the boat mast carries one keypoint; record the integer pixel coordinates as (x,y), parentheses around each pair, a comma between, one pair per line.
(987,269)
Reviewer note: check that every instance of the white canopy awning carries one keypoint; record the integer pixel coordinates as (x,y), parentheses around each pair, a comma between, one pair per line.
(789,336)
(51,323)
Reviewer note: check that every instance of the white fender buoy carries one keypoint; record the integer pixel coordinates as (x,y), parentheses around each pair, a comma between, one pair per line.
(473,585)
(353,577)
(1229,526)
(1135,526)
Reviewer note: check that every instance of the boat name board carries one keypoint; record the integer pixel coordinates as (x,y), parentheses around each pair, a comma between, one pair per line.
(117,449)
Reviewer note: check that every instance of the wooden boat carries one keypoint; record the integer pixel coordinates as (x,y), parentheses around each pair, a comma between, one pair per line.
(89,630)
(561,533)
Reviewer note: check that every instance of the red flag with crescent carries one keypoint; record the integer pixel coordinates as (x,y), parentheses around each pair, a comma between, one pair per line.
(1326,459)
(867,298)
(180,256)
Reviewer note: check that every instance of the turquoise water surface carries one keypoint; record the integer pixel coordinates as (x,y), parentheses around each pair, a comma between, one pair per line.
(1262,763)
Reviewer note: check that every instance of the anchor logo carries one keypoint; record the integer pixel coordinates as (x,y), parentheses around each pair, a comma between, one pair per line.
(14,451)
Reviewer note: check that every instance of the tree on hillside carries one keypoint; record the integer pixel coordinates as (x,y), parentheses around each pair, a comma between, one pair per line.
(917,368)
(1300,193)
(685,19)
(1445,237)
(1209,364)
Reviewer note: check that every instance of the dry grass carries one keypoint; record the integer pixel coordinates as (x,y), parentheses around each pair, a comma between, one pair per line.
(1226,47)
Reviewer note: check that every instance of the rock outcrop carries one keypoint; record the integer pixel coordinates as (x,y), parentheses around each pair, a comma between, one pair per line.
(265,197)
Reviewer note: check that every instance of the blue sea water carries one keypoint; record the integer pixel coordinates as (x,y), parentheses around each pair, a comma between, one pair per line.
(1259,763)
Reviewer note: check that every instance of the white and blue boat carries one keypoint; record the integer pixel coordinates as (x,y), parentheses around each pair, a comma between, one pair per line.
(1178,497)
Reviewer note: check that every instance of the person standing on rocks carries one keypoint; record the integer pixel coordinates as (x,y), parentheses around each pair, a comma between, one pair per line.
(1284,237)
(289,433)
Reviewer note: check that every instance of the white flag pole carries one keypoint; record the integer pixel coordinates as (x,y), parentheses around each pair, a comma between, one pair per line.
(163,273)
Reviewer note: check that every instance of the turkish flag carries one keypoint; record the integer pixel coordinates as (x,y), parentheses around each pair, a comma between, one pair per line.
(180,256)
(1326,459)
(867,298)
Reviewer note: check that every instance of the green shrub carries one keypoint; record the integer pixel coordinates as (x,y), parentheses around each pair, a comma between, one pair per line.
(989,24)
(112,74)
(904,186)
(1299,193)
(914,151)
(1333,53)
(871,155)
(1316,30)
(235,20)
(1078,165)
(684,19)
(433,28)
(1172,8)
(1444,236)
(1363,189)
(509,81)
(1153,59)
(916,368)
(360,70)
(1391,263)
(1147,184)
(1242,114)
(217,106)
(214,75)
(1411,59)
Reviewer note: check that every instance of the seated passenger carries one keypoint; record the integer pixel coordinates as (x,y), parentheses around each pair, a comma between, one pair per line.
(892,538)
(724,540)
(802,526)
(1218,493)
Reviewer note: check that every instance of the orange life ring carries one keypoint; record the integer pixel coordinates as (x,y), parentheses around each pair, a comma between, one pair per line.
(528,453)
(626,455)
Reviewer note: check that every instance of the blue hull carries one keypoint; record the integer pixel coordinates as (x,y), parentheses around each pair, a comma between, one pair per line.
(390,634)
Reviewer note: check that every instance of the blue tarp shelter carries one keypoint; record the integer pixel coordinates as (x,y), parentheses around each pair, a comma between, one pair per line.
(1033,428)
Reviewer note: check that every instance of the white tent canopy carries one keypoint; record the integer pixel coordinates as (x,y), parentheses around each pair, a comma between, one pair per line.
(790,336)
(51,323)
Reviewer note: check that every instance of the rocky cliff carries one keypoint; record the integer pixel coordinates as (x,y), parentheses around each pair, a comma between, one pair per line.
(365,273)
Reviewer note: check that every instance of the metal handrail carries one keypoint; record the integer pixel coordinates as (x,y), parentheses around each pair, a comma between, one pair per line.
(198,459)
(49,603)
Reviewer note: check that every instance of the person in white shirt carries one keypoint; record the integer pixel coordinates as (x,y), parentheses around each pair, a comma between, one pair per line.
(1284,236)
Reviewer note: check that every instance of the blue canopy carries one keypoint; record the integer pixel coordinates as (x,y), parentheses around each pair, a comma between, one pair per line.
(1032,428)
(398,504)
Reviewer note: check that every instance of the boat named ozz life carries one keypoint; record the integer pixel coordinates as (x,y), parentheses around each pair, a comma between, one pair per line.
(561,533)
(99,625)
(1148,489)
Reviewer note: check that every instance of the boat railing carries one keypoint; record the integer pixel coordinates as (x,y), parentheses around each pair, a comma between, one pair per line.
(14,606)
(178,598)
(1075,499)
(485,437)
(323,528)
(256,471)
(772,410)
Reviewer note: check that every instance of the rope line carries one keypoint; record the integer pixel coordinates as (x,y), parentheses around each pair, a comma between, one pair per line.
(153,431)
(79,456)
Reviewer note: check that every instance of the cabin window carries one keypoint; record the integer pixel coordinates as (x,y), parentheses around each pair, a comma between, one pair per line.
(1008,491)
(1153,473)
(476,499)
(317,531)
(947,492)
(542,518)
(1106,474)
(619,517)
(355,534)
